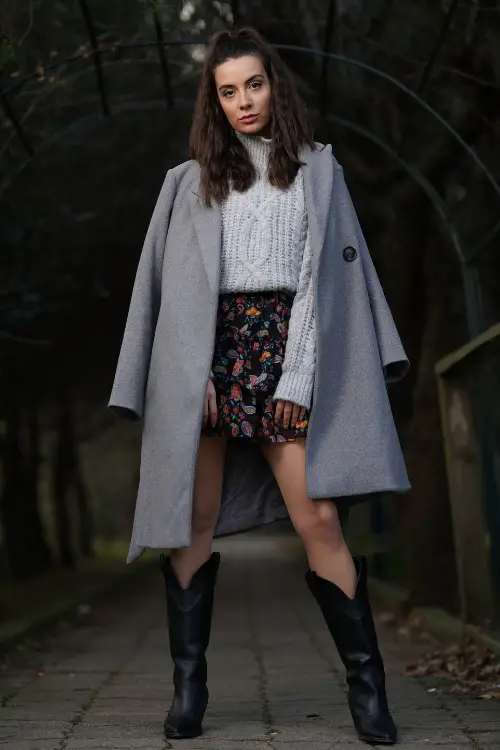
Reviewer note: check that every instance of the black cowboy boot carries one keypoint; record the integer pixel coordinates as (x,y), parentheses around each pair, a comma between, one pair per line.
(351,625)
(189,620)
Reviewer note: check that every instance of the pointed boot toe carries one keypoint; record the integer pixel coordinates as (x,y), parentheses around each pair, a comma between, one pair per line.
(184,720)
(377,730)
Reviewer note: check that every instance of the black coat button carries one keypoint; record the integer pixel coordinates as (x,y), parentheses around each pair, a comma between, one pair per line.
(350,254)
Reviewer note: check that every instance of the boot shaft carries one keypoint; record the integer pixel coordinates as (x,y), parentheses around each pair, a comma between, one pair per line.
(189,611)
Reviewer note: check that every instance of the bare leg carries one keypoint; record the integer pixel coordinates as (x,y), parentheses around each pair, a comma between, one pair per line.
(316,521)
(206,505)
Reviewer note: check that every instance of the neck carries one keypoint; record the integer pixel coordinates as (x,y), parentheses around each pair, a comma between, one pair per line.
(265,132)
(258,148)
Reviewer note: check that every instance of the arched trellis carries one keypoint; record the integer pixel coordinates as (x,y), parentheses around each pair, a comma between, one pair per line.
(471,287)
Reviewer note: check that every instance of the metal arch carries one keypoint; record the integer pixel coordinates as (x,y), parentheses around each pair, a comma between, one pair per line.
(92,120)
(452,11)
(484,242)
(160,43)
(84,123)
(473,302)
(89,122)
(415,174)
(380,73)
(306,50)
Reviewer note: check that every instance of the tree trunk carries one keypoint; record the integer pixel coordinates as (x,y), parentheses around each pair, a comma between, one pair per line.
(40,552)
(69,486)
(12,496)
(85,515)
(26,549)
(61,478)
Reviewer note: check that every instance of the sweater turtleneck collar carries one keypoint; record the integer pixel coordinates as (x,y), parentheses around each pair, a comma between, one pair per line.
(259,149)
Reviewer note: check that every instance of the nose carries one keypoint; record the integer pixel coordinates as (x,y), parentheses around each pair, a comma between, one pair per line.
(245,100)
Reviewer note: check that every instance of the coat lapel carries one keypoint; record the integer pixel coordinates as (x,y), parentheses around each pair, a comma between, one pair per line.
(318,183)
(208,225)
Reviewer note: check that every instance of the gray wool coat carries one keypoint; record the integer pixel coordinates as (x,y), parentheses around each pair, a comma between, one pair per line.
(352,446)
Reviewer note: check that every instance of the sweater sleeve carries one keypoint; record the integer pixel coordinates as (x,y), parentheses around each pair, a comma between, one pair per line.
(297,379)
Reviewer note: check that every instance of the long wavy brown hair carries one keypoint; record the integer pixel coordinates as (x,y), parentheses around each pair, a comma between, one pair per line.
(222,157)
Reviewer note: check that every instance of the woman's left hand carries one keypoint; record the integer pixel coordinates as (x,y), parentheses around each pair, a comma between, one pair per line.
(289,412)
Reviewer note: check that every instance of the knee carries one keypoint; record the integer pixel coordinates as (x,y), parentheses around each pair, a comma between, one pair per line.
(321,524)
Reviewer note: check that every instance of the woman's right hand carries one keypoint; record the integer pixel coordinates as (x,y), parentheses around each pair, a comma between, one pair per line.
(210,405)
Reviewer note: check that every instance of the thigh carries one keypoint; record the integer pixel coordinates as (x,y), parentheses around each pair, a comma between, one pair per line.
(208,480)
(288,464)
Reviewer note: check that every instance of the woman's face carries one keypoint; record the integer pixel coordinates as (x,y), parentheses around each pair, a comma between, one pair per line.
(244,94)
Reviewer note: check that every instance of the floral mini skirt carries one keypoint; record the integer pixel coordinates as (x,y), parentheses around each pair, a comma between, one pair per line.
(251,334)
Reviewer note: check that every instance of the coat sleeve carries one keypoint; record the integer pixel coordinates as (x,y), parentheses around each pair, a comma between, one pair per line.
(127,396)
(392,354)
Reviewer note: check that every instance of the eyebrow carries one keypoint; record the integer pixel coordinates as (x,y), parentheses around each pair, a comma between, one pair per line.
(249,80)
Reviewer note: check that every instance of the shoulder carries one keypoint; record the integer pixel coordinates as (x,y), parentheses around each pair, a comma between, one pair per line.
(183,178)
(183,173)
(324,152)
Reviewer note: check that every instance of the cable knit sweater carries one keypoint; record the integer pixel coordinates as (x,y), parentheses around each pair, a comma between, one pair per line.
(266,247)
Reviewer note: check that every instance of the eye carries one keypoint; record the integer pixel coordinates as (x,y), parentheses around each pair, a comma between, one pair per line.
(256,84)
(227,94)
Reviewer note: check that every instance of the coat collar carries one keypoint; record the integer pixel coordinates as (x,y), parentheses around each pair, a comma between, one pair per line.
(318,181)
(208,225)
(318,185)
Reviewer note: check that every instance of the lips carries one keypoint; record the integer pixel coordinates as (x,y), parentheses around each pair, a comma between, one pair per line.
(248,118)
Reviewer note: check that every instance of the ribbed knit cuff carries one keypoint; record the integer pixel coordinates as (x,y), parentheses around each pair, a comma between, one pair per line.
(296,387)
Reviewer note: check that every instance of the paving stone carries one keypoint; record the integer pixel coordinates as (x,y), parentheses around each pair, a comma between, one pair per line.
(317,731)
(425,739)
(32,734)
(117,744)
(207,744)
(42,712)
(488,739)
(151,729)
(275,679)
(31,745)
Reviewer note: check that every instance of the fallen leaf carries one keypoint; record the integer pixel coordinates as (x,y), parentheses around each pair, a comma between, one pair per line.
(467,667)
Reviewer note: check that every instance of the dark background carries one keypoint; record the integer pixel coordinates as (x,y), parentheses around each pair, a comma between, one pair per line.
(93,113)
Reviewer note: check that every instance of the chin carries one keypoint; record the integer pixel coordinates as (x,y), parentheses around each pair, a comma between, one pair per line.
(253,128)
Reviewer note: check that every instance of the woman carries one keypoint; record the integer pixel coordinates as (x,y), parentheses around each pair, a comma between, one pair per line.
(257,348)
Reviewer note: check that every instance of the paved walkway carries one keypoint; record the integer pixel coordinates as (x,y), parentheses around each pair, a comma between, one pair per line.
(274,678)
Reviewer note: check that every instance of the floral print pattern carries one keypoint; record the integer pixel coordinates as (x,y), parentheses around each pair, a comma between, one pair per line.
(248,358)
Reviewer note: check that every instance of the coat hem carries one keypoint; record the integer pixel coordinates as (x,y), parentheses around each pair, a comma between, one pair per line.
(137,550)
(346,502)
